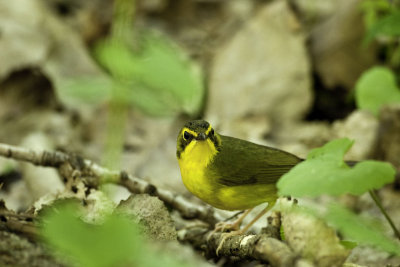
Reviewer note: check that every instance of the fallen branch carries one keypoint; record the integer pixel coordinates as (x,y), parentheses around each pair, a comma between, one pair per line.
(94,175)
(254,247)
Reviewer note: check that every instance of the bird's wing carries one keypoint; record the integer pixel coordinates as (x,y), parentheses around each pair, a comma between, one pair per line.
(244,163)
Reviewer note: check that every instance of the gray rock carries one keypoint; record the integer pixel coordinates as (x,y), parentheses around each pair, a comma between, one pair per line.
(262,71)
(16,251)
(151,214)
(313,240)
(367,256)
(362,127)
(22,22)
(54,48)
(336,44)
(388,147)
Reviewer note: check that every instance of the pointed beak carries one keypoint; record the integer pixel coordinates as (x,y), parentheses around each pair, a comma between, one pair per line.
(201,137)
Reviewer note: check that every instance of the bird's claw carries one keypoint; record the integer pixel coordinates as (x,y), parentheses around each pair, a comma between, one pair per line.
(222,227)
(226,236)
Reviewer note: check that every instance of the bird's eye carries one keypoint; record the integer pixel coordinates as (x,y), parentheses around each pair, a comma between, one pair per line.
(212,132)
(186,135)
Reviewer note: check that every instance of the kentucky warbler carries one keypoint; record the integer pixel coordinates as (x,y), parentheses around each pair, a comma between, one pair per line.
(230,173)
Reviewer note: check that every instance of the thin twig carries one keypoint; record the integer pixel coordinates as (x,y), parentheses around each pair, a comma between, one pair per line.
(17,222)
(25,228)
(379,204)
(42,158)
(24,216)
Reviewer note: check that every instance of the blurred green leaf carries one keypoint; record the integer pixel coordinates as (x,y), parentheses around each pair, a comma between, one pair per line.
(359,229)
(375,88)
(8,166)
(325,172)
(88,90)
(161,79)
(116,124)
(116,57)
(282,233)
(387,26)
(372,9)
(348,244)
(395,57)
(114,242)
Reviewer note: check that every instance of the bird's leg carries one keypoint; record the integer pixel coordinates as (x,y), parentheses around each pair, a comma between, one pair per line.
(244,230)
(222,226)
(247,227)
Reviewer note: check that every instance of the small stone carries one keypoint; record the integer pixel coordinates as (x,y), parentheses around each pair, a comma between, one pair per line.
(362,127)
(151,214)
(17,251)
(388,147)
(313,240)
(22,22)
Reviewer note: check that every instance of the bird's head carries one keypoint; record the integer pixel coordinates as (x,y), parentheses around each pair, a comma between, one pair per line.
(197,133)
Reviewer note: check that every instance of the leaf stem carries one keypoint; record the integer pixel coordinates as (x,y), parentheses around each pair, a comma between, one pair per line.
(379,204)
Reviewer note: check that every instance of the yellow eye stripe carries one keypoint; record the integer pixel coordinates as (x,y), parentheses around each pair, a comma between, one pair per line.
(208,129)
(185,129)
(189,131)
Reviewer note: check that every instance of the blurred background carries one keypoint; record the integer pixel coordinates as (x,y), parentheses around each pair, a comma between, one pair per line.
(114,81)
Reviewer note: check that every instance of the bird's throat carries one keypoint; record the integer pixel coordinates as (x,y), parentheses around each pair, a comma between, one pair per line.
(198,154)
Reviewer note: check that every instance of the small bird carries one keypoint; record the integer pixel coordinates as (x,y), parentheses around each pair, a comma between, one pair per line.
(230,173)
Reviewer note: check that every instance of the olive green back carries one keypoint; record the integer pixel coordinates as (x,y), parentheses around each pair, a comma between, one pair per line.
(241,162)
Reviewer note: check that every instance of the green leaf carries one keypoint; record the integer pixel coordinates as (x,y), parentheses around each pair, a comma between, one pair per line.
(334,150)
(8,166)
(375,88)
(85,90)
(116,57)
(112,243)
(359,229)
(115,242)
(387,26)
(282,233)
(372,9)
(161,78)
(325,172)
(348,244)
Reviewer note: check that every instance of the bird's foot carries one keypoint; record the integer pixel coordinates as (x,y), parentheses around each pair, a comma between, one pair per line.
(226,236)
(223,227)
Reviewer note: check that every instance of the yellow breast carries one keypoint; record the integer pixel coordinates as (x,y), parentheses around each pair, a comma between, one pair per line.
(193,163)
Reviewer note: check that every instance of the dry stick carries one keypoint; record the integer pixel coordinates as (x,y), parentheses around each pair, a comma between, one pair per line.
(44,158)
(259,247)
(24,216)
(27,229)
(135,185)
(379,204)
(21,223)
